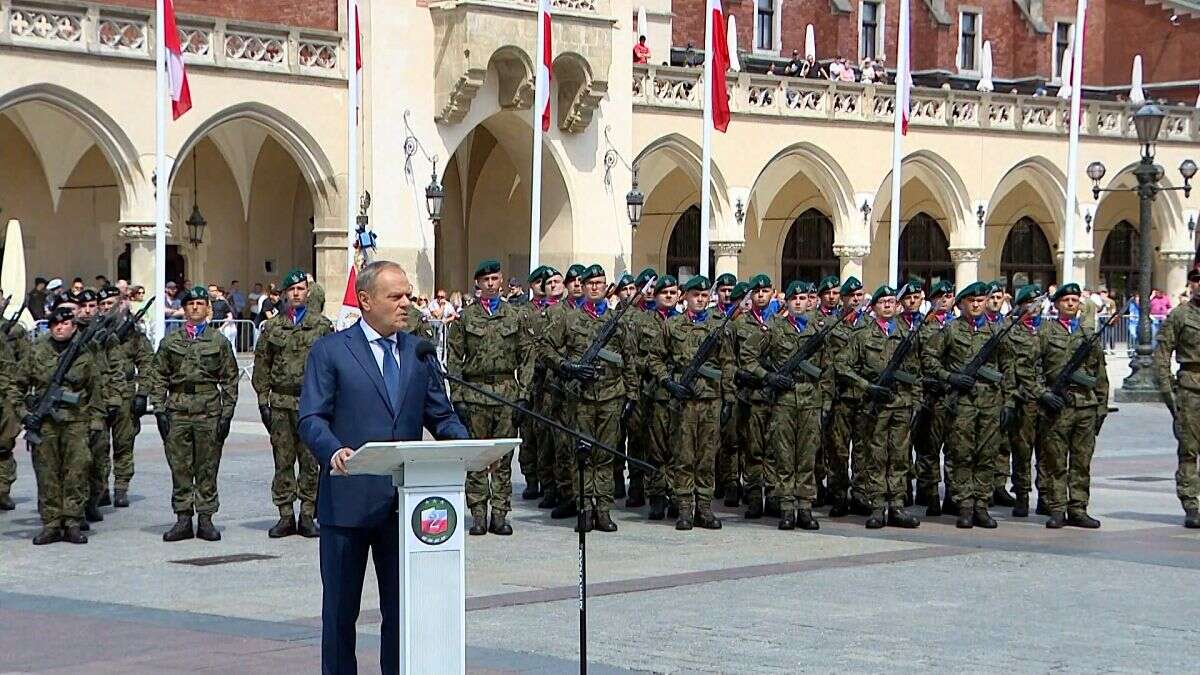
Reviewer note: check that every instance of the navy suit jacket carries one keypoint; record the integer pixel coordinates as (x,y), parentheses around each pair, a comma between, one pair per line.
(343,404)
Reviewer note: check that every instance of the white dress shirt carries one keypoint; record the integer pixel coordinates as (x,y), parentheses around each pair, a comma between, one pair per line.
(376,346)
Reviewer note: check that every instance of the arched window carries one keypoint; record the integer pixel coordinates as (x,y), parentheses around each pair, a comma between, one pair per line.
(925,251)
(1119,261)
(808,249)
(1026,258)
(683,250)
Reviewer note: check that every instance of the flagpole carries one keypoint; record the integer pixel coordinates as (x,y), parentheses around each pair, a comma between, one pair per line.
(351,130)
(162,188)
(902,94)
(541,96)
(706,136)
(1073,144)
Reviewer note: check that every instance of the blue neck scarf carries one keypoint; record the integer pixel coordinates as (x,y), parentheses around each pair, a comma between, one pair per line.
(888,326)
(698,317)
(799,322)
(596,309)
(490,305)
(297,314)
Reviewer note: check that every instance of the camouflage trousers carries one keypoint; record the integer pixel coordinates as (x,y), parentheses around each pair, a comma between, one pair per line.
(194,455)
(120,437)
(601,420)
(638,441)
(8,474)
(60,463)
(564,449)
(1187,428)
(1067,451)
(795,440)
(493,485)
(527,454)
(973,436)
(662,450)
(836,447)
(754,421)
(885,462)
(696,440)
(289,483)
(1003,460)
(1024,441)
(928,438)
(729,469)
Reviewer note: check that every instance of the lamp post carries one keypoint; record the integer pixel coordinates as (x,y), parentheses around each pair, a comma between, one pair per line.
(435,196)
(634,201)
(1141,385)
(195,222)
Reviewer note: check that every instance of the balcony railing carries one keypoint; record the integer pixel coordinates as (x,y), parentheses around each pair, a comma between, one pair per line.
(757,94)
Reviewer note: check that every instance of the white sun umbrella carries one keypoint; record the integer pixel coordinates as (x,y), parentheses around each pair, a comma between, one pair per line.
(1198,100)
(642,29)
(1064,74)
(731,41)
(810,42)
(985,65)
(12,277)
(1136,95)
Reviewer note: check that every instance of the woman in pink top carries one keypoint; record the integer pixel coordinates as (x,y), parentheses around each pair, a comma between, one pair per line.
(1160,304)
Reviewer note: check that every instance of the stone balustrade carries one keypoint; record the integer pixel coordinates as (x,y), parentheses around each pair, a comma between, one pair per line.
(758,94)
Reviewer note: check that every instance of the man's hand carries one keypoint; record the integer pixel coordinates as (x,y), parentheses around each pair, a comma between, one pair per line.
(1052,401)
(677,390)
(1100,417)
(517,416)
(964,383)
(164,424)
(1168,397)
(223,427)
(881,395)
(1008,415)
(779,381)
(337,464)
(579,371)
(138,406)
(264,413)
(726,412)
(110,415)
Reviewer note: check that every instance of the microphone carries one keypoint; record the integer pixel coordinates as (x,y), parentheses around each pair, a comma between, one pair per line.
(425,350)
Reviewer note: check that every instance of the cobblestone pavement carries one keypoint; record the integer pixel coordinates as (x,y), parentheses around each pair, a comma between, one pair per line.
(745,599)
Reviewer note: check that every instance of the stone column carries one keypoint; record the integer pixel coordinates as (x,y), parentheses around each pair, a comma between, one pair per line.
(726,254)
(966,265)
(851,257)
(1175,266)
(330,240)
(141,255)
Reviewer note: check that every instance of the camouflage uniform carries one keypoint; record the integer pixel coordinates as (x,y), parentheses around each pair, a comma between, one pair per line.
(10,423)
(929,434)
(279,358)
(754,413)
(561,406)
(196,385)
(844,419)
(659,417)
(1180,334)
(1022,355)
(539,437)
(131,363)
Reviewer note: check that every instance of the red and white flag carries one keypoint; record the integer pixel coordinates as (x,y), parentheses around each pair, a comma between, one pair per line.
(358,61)
(545,70)
(719,53)
(904,82)
(349,314)
(181,96)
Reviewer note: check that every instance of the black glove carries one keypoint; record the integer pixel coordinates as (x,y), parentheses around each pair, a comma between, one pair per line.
(517,415)
(31,422)
(264,413)
(677,390)
(779,381)
(826,417)
(1008,415)
(1169,400)
(579,371)
(164,424)
(964,383)
(627,410)
(110,415)
(223,427)
(138,407)
(726,413)
(5,453)
(880,394)
(1052,401)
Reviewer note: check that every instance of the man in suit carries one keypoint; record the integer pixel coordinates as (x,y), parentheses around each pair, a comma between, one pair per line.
(366,384)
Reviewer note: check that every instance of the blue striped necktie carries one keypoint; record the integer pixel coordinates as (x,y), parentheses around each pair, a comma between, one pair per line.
(391,371)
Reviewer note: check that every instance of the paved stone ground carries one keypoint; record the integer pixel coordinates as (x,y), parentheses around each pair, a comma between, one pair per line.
(745,599)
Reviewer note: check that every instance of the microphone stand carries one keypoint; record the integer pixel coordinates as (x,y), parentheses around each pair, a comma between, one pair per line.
(584,444)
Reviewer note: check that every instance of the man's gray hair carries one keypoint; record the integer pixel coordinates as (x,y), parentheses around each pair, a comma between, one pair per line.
(370,272)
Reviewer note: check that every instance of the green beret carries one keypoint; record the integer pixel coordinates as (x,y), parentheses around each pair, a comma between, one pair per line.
(828,282)
(59,315)
(294,277)
(941,288)
(664,282)
(574,272)
(625,280)
(536,275)
(975,290)
(645,276)
(759,281)
(725,279)
(108,292)
(696,283)
(194,293)
(797,288)
(995,287)
(490,266)
(1065,290)
(591,272)
(86,295)
(1026,293)
(913,287)
(550,271)
(1194,275)
(851,285)
(882,292)
(740,290)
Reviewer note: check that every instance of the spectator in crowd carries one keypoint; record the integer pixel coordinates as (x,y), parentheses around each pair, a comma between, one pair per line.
(270,304)
(457,301)
(771,69)
(254,300)
(222,313)
(101,281)
(514,290)
(1160,307)
(137,298)
(794,66)
(881,74)
(36,300)
(76,285)
(237,300)
(1106,308)
(123,287)
(689,55)
(53,288)
(1135,314)
(868,71)
(172,307)
(641,53)
(812,70)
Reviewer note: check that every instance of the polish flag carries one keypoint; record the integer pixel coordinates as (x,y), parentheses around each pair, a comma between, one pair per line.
(719,53)
(358,60)
(349,313)
(181,96)
(545,71)
(904,82)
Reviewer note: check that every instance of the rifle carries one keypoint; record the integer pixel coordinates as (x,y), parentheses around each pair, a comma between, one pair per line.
(799,360)
(123,331)
(1070,373)
(696,367)
(597,350)
(892,373)
(976,368)
(10,322)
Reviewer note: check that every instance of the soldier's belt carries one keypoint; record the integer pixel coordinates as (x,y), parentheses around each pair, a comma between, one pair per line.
(499,378)
(192,388)
(293,390)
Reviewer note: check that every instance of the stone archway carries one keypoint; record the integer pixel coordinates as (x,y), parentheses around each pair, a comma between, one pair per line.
(1169,236)
(1032,192)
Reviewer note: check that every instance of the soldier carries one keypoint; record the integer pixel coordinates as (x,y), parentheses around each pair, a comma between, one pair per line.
(659,417)
(316,295)
(62,459)
(1180,334)
(87,306)
(883,460)
(726,471)
(1072,418)
(529,430)
(1020,417)
(488,346)
(754,412)
(561,404)
(625,290)
(195,391)
(912,297)
(929,432)
(696,436)
(10,427)
(994,315)
(130,364)
(846,412)
(606,391)
(731,463)
(279,355)
(795,426)
(975,410)
(826,301)
(639,439)
(546,283)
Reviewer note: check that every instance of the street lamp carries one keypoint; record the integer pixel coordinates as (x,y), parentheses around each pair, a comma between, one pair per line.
(634,201)
(1141,385)
(195,222)
(435,196)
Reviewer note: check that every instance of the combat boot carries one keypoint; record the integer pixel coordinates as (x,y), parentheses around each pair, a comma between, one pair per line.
(898,517)
(479,524)
(672,508)
(105,499)
(933,505)
(772,509)
(788,521)
(707,520)
(120,498)
(658,508)
(966,518)
(983,518)
(91,512)
(1083,520)
(587,521)
(73,535)
(6,503)
(286,527)
(1021,507)
(859,508)
(1000,497)
(604,522)
(948,505)
(806,521)
(1056,520)
(182,529)
(839,508)
(1042,509)
(719,490)
(500,524)
(85,526)
(909,497)
(205,529)
(532,491)
(922,496)
(755,510)
(733,496)
(566,509)
(549,498)
(308,527)
(1191,519)
(636,498)
(822,496)
(876,520)
(684,523)
(48,535)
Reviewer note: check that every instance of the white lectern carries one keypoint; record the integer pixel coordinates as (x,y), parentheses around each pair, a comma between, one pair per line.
(433,594)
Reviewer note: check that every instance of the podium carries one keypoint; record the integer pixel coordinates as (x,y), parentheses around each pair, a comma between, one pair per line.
(430,476)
